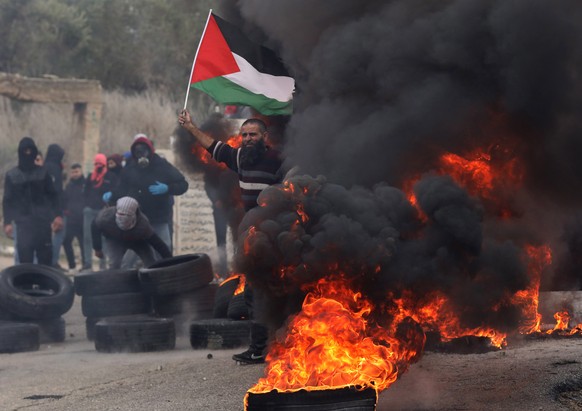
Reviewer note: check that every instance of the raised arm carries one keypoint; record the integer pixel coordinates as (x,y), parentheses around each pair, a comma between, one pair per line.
(186,122)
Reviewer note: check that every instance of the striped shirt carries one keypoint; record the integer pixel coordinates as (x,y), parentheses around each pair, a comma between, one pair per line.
(252,179)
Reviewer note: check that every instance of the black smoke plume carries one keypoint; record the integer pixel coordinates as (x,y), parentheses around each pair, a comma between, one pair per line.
(384,88)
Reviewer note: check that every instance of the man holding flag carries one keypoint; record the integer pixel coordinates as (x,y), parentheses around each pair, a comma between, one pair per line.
(233,70)
(258,166)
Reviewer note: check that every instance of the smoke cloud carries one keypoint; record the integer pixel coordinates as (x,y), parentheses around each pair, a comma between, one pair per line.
(384,88)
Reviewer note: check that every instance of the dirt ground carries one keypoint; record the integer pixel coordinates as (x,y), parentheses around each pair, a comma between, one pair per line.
(528,375)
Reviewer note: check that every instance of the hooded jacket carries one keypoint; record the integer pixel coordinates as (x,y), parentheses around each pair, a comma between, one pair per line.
(53,163)
(29,190)
(74,201)
(135,181)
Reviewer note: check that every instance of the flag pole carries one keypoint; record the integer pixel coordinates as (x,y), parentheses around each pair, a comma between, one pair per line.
(195,57)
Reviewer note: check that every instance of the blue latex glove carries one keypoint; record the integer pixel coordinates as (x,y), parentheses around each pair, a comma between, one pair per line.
(158,188)
(107,196)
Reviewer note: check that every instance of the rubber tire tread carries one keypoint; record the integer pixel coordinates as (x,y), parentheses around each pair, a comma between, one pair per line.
(18,337)
(237,308)
(224,294)
(342,399)
(176,275)
(114,281)
(199,303)
(135,335)
(53,330)
(219,333)
(111,305)
(22,303)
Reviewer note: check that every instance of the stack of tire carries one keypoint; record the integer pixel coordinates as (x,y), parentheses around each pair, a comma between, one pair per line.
(230,325)
(117,313)
(33,298)
(180,288)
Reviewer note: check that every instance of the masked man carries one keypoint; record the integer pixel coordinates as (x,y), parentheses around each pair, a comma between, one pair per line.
(32,202)
(152,181)
(258,166)
(126,228)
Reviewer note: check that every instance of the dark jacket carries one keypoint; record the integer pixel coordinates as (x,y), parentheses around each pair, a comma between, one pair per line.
(135,181)
(74,201)
(53,162)
(104,224)
(29,190)
(94,195)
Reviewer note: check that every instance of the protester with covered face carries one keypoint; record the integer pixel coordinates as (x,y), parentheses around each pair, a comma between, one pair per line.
(125,227)
(54,165)
(74,203)
(152,181)
(99,182)
(32,202)
(258,166)
(115,163)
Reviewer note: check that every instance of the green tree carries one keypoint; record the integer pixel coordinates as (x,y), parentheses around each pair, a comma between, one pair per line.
(41,36)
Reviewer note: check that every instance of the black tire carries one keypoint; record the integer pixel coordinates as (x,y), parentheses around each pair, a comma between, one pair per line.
(237,308)
(52,330)
(345,399)
(198,304)
(224,294)
(90,323)
(6,315)
(111,305)
(219,333)
(135,335)
(176,275)
(18,337)
(35,291)
(90,327)
(107,282)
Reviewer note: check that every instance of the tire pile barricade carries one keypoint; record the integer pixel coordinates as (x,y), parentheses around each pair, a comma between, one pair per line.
(181,288)
(142,310)
(33,298)
(230,326)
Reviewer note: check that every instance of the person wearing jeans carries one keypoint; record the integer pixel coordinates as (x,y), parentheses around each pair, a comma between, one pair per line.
(99,182)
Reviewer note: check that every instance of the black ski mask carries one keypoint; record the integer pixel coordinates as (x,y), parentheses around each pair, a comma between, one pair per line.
(27,152)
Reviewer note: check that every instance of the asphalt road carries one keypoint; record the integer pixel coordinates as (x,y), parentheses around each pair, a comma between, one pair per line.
(528,375)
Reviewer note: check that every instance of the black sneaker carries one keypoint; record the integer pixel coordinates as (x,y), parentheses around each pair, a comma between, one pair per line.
(250,357)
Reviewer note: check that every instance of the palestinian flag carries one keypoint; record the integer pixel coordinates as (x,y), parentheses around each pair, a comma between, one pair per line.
(233,70)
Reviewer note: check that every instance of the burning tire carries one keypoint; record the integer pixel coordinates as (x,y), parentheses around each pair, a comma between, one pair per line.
(107,282)
(176,275)
(224,294)
(219,333)
(347,398)
(18,337)
(35,291)
(111,305)
(237,308)
(127,334)
(198,303)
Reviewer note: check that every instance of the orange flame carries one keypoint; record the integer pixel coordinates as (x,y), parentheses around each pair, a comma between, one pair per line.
(331,344)
(241,282)
(241,285)
(528,299)
(562,321)
(435,313)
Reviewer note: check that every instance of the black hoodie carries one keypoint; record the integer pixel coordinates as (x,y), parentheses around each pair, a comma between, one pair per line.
(53,162)
(29,191)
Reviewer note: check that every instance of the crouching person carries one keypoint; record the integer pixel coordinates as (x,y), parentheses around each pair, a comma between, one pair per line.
(126,228)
